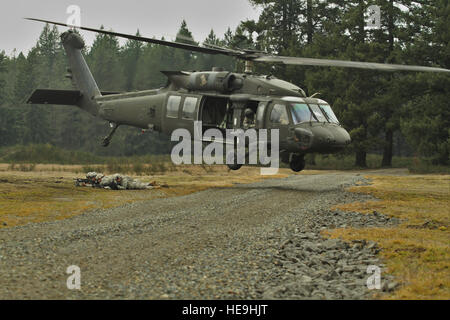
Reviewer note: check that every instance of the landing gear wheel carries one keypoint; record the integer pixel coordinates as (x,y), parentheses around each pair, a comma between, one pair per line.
(297,163)
(106,141)
(233,165)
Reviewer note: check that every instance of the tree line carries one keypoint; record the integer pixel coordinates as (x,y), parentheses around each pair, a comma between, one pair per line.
(401,113)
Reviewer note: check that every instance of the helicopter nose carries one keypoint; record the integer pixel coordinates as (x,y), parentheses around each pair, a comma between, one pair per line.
(323,137)
(330,138)
(341,136)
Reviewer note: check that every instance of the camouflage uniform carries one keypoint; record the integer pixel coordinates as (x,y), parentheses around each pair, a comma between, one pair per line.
(118,180)
(115,182)
(98,180)
(107,182)
(88,182)
(128,183)
(137,185)
(91,177)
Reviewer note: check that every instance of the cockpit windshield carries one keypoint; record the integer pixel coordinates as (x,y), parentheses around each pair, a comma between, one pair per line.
(318,113)
(329,113)
(301,113)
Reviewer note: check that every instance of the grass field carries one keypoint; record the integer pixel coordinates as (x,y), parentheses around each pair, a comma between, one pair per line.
(417,252)
(24,157)
(46,192)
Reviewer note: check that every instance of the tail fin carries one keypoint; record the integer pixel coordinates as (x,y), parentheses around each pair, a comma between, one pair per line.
(73,44)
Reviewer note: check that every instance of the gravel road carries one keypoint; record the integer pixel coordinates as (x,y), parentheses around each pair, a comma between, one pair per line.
(254,241)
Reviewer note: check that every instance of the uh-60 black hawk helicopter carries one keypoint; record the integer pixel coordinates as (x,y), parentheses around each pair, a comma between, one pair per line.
(219,99)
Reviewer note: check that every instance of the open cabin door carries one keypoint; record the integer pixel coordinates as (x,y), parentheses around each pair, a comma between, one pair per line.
(216,113)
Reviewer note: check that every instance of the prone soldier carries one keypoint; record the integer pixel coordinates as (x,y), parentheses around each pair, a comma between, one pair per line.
(113,182)
(91,177)
(128,183)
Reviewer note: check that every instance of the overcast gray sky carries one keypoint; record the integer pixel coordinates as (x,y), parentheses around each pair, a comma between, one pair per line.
(152,17)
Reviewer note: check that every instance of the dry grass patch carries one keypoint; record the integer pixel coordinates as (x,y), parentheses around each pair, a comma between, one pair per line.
(48,193)
(39,199)
(417,252)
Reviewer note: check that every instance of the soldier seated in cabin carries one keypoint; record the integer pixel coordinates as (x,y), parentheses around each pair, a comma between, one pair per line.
(249,120)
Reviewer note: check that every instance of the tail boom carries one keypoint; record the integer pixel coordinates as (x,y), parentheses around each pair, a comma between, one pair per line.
(82,76)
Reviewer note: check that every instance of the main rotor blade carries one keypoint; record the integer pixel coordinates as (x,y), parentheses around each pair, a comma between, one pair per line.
(346,64)
(256,56)
(178,45)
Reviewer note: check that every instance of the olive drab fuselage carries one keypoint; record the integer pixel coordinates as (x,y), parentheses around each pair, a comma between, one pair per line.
(228,95)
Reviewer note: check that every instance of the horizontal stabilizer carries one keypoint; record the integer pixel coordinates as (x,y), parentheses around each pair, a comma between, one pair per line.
(59,97)
(51,96)
(109,93)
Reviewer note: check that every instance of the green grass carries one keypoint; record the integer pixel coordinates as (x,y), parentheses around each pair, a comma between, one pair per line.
(48,154)
(17,156)
(425,166)
(347,162)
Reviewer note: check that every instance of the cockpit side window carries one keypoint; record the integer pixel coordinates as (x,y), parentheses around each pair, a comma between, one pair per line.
(279,114)
(301,113)
(329,113)
(318,113)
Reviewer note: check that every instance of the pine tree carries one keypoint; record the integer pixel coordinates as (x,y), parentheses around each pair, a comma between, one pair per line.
(7,132)
(2,79)
(279,22)
(49,48)
(207,61)
(154,59)
(182,59)
(351,91)
(184,35)
(426,119)
(104,61)
(130,55)
(36,128)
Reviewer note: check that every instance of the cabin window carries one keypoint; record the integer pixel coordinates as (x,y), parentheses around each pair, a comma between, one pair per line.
(173,105)
(301,113)
(279,114)
(189,108)
(318,113)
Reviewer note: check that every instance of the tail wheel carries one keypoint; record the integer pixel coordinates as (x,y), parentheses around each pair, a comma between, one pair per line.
(297,163)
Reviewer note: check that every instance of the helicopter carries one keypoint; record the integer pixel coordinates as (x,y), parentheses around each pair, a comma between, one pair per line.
(217,99)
